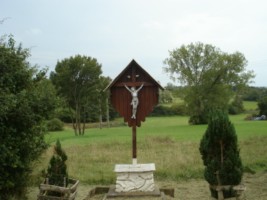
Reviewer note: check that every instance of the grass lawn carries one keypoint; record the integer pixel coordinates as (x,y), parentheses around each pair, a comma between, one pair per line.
(169,142)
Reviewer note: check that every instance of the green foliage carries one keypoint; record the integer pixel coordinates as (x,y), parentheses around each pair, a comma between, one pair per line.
(64,113)
(165,96)
(209,76)
(262,105)
(174,109)
(57,169)
(220,153)
(77,81)
(254,93)
(236,107)
(23,106)
(103,95)
(161,110)
(199,118)
(54,124)
(179,109)
(176,91)
(49,100)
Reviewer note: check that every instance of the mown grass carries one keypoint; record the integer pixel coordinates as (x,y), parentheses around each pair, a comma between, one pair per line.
(169,142)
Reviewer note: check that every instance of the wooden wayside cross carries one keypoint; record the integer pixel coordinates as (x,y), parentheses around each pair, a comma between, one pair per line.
(134,94)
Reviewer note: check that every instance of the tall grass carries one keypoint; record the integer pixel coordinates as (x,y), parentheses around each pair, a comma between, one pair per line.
(169,142)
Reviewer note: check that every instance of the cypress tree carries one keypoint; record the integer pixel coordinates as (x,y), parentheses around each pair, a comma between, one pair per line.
(220,153)
(57,169)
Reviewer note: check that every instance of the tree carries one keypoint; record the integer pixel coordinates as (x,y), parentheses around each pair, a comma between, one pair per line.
(220,153)
(23,107)
(209,75)
(76,79)
(103,99)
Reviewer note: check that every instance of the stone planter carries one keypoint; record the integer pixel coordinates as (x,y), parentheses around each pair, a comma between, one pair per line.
(66,193)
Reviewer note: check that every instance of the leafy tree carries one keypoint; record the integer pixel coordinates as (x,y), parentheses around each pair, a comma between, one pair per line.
(49,100)
(103,99)
(76,79)
(23,107)
(209,76)
(220,153)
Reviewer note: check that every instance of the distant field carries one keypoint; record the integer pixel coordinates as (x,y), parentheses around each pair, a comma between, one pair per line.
(169,142)
(250,105)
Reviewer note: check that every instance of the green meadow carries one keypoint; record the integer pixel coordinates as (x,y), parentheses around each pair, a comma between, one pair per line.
(169,142)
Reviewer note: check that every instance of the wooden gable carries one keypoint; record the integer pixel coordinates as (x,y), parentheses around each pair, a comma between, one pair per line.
(134,76)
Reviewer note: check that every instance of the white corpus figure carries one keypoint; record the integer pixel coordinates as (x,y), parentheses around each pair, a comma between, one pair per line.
(135,101)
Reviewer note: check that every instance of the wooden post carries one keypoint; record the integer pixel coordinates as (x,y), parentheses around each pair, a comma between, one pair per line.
(134,141)
(134,148)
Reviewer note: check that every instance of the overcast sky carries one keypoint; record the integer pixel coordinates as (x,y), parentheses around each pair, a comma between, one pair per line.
(117,31)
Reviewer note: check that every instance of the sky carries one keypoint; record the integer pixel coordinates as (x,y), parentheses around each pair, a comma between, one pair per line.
(117,31)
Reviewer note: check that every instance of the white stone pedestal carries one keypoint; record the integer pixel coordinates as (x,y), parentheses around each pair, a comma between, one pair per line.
(135,177)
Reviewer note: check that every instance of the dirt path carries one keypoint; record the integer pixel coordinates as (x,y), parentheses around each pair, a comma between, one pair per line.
(186,190)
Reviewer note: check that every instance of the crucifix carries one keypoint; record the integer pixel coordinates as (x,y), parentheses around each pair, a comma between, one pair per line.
(135,100)
(134,103)
(134,93)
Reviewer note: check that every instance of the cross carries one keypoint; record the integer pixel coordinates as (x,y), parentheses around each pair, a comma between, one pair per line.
(134,92)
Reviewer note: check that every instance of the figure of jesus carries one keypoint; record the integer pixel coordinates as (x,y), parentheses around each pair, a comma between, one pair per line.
(135,101)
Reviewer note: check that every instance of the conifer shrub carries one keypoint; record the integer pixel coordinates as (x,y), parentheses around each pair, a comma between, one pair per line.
(220,153)
(57,169)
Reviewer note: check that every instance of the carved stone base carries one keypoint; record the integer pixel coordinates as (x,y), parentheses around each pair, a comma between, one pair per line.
(135,178)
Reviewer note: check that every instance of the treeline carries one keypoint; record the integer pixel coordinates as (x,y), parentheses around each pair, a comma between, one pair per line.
(168,106)
(254,93)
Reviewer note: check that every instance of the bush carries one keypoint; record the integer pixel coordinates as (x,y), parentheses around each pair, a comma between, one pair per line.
(262,105)
(23,106)
(220,152)
(175,109)
(161,111)
(64,114)
(179,109)
(55,125)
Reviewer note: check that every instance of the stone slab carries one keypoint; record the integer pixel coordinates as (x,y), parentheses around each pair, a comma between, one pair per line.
(134,167)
